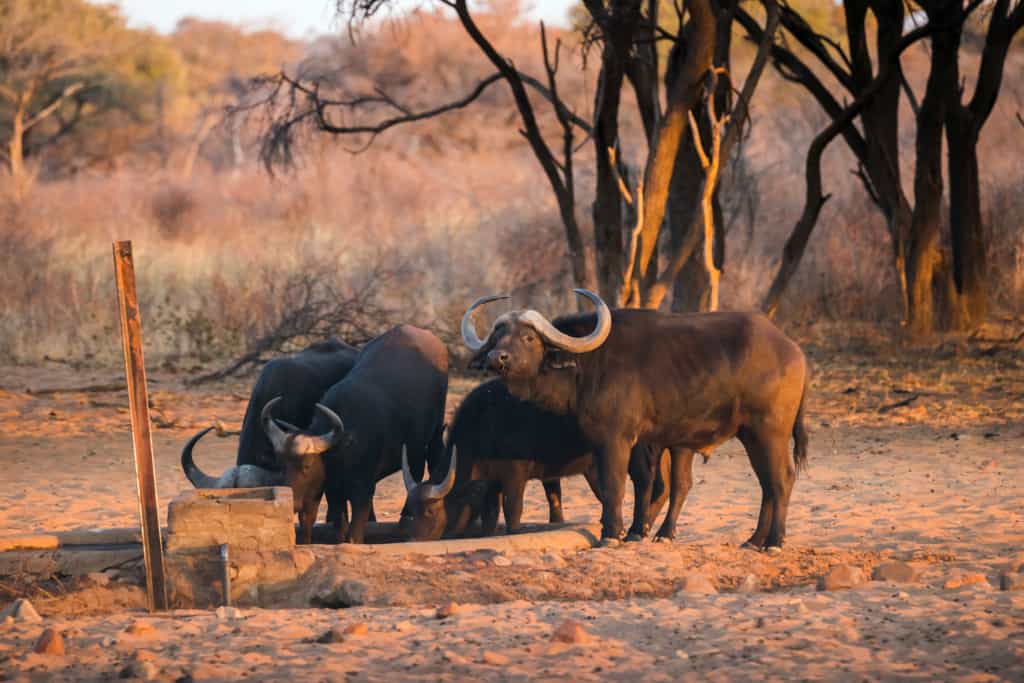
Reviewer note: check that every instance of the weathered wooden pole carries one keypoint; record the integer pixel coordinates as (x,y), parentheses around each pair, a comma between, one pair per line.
(142,438)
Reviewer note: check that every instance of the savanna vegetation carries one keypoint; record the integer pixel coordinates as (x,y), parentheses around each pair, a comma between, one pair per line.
(860,161)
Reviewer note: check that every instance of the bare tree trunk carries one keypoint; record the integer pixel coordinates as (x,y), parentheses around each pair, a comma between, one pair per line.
(685,93)
(16,152)
(924,256)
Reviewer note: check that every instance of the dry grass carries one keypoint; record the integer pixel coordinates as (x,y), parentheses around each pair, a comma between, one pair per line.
(448,209)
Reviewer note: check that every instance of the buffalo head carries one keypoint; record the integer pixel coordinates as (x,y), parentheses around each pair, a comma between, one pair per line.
(524,344)
(425,502)
(300,452)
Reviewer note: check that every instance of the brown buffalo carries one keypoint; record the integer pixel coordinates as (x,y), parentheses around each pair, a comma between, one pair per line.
(688,381)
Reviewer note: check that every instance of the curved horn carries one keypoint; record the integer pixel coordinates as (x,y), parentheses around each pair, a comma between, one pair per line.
(435,491)
(199,479)
(305,444)
(410,481)
(469,336)
(278,437)
(567,342)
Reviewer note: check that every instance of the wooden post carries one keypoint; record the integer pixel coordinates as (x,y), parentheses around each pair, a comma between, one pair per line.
(142,439)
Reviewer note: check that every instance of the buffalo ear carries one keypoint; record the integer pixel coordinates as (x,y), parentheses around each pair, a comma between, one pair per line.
(558,359)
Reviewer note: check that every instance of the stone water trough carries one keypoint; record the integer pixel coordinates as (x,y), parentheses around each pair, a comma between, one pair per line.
(237,546)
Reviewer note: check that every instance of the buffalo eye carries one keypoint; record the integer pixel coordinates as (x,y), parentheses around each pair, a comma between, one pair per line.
(528,337)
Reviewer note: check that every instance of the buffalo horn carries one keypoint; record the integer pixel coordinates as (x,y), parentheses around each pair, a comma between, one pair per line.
(410,481)
(436,491)
(199,479)
(278,437)
(469,336)
(304,444)
(567,342)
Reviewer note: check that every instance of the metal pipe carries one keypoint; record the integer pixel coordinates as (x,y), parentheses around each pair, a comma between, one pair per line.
(225,567)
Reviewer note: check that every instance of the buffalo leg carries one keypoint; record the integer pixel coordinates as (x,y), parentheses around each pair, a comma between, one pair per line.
(362,501)
(512,499)
(641,471)
(373,513)
(340,520)
(660,488)
(760,461)
(553,492)
(679,487)
(489,510)
(613,466)
(593,481)
(781,476)
(307,518)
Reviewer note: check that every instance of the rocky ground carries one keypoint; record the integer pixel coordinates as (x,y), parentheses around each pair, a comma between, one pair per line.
(916,479)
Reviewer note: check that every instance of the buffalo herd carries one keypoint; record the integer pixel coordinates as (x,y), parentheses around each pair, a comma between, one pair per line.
(604,394)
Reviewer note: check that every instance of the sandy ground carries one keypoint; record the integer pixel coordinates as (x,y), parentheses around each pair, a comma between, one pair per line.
(937,482)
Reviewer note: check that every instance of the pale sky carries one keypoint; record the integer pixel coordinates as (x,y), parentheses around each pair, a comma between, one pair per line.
(295,17)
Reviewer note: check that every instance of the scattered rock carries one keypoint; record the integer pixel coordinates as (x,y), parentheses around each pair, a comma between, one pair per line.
(1009,581)
(445,611)
(404,626)
(571,632)
(359,628)
(749,584)
(453,658)
(959,579)
(98,578)
(900,572)
(144,670)
(682,654)
(502,561)
(695,582)
(140,628)
(332,636)
(344,593)
(108,641)
(51,642)
(21,610)
(225,613)
(841,577)
(494,659)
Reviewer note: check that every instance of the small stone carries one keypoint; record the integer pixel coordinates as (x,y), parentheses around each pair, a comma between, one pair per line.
(841,576)
(145,670)
(225,613)
(900,572)
(99,578)
(7,621)
(682,654)
(453,658)
(1009,581)
(959,579)
(345,593)
(695,582)
(447,610)
(773,550)
(494,659)
(51,642)
(332,636)
(21,610)
(502,561)
(404,626)
(749,584)
(571,632)
(139,628)
(357,629)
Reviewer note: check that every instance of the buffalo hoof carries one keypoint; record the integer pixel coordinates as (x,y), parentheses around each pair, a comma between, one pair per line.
(751,546)
(663,539)
(610,543)
(634,537)
(773,550)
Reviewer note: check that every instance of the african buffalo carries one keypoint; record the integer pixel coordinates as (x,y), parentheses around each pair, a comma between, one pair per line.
(688,381)
(394,396)
(301,379)
(496,443)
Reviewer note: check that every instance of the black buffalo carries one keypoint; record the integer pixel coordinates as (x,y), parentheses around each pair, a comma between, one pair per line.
(688,381)
(496,443)
(392,398)
(300,379)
